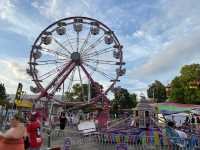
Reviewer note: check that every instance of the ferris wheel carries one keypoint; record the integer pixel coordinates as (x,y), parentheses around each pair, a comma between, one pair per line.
(75,50)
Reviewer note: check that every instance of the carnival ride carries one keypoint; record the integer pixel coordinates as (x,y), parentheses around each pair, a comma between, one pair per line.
(84,51)
(76,50)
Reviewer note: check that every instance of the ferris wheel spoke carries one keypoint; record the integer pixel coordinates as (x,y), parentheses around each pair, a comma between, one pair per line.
(61,45)
(49,63)
(93,45)
(59,75)
(71,79)
(81,82)
(99,61)
(50,60)
(70,43)
(77,41)
(98,52)
(58,53)
(52,71)
(49,75)
(101,72)
(59,80)
(85,42)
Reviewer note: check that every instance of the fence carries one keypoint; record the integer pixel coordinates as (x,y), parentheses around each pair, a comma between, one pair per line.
(108,141)
(104,144)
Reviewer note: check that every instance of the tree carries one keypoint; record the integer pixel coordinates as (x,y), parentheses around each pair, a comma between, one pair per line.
(3,95)
(69,96)
(177,92)
(123,100)
(157,91)
(186,87)
(80,93)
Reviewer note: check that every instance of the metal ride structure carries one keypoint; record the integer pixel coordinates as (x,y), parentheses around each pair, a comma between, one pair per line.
(76,50)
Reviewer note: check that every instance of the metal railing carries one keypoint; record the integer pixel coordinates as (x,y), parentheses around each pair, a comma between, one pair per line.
(101,141)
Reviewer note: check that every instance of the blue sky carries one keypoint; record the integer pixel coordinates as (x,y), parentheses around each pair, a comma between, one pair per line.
(159,36)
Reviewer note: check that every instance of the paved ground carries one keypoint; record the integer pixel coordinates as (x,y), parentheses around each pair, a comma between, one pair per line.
(78,141)
(88,143)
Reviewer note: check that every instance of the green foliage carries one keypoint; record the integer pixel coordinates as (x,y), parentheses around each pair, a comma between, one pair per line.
(157,92)
(3,95)
(185,88)
(80,93)
(123,100)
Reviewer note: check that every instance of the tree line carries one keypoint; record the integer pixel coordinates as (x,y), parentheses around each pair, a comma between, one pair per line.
(184,88)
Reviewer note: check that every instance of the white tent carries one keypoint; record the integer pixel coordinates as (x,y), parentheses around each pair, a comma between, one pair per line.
(179,118)
(196,111)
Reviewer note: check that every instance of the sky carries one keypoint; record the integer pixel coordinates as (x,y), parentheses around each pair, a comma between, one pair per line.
(159,36)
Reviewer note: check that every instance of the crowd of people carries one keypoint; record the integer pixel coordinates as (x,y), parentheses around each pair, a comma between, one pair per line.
(72,119)
(192,123)
(22,135)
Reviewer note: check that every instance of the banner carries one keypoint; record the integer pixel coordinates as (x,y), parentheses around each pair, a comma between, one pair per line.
(18,94)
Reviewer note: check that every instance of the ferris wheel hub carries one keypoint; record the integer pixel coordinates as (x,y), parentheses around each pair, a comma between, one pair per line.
(76,57)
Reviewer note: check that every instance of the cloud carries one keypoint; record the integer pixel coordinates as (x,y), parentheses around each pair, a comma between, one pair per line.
(16,21)
(14,71)
(17,69)
(48,8)
(6,8)
(158,37)
(171,40)
(171,58)
(139,33)
(57,9)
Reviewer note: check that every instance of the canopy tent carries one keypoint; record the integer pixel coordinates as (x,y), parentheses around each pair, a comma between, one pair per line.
(168,108)
(195,111)
(177,111)
(179,118)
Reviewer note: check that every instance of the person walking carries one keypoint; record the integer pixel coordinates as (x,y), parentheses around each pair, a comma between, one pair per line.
(12,139)
(198,122)
(34,133)
(63,120)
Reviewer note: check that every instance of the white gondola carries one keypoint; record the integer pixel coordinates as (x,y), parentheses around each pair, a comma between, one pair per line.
(116,54)
(108,39)
(37,54)
(46,39)
(94,29)
(34,89)
(78,26)
(61,30)
(120,72)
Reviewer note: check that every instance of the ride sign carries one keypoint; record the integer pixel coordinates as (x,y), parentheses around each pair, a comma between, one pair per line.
(18,94)
(121,147)
(67,143)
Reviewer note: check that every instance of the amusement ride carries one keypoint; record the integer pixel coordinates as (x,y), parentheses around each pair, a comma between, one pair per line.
(84,51)
(76,50)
